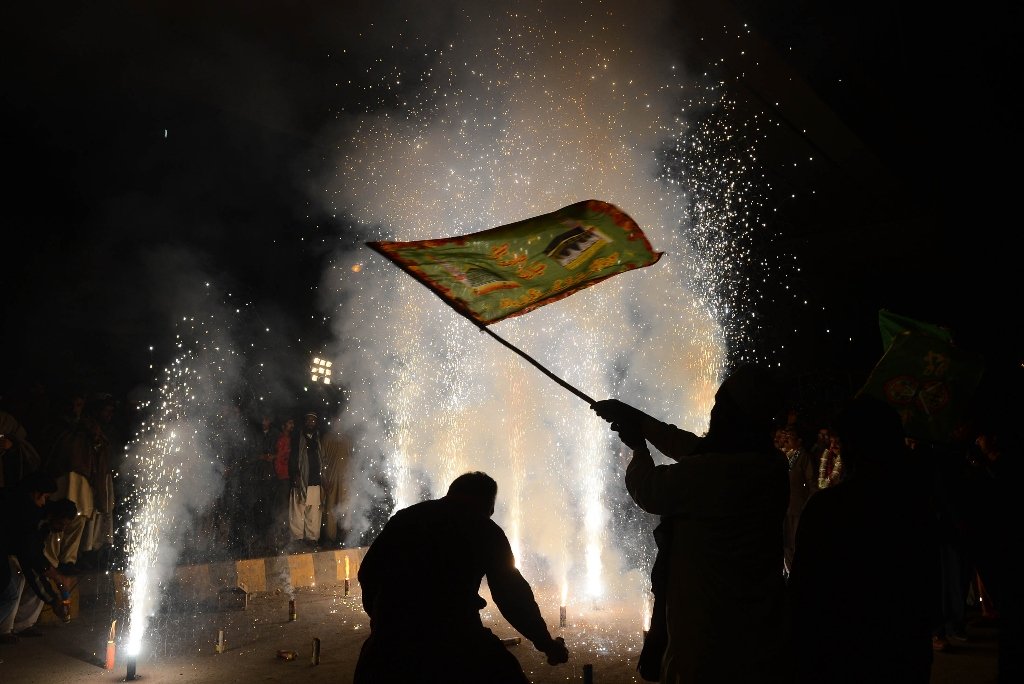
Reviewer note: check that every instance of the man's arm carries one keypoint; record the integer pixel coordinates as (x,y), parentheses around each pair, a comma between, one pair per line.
(293,458)
(698,482)
(635,428)
(40,583)
(670,440)
(514,598)
(37,570)
(379,557)
(368,576)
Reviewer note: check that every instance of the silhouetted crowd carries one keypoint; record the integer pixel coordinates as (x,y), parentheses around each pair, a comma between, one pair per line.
(67,486)
(790,549)
(923,525)
(886,539)
(284,487)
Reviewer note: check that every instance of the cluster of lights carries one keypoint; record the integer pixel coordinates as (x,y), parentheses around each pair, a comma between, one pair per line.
(321,370)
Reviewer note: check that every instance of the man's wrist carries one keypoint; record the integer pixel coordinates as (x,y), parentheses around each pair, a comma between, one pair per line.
(642,450)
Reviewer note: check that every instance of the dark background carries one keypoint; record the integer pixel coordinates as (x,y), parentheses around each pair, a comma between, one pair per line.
(912,111)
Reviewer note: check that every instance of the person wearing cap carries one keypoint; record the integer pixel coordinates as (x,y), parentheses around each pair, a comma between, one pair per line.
(718,578)
(305,471)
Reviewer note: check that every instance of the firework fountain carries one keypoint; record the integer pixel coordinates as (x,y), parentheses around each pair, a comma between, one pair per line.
(522,112)
(175,463)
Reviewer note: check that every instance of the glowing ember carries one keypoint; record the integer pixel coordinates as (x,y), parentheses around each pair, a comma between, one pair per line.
(646,609)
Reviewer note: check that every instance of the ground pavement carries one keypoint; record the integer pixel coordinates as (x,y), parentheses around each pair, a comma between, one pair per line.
(180,645)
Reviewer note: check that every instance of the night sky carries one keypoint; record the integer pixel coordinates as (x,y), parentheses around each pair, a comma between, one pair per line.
(154,147)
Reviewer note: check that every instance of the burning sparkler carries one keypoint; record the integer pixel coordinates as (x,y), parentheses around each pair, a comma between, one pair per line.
(111,655)
(646,611)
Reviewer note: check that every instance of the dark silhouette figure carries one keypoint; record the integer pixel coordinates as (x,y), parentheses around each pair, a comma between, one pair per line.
(420,579)
(718,583)
(995,484)
(259,486)
(949,470)
(871,535)
(18,457)
(26,512)
(803,482)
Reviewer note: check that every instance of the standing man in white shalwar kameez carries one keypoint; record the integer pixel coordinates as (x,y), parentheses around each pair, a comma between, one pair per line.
(305,470)
(336,452)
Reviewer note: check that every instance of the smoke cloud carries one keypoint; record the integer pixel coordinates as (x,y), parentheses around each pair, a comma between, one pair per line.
(518,109)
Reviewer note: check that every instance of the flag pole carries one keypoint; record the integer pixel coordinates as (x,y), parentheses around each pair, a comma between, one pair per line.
(537,365)
(466,313)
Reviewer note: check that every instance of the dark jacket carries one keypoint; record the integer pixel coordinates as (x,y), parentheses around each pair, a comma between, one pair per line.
(420,581)
(22,535)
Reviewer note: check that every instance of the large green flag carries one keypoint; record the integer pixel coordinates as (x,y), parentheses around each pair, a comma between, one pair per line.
(892,324)
(516,268)
(924,376)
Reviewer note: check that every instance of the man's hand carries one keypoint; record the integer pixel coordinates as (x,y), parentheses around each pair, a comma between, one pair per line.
(556,652)
(631,435)
(53,574)
(615,411)
(61,611)
(626,421)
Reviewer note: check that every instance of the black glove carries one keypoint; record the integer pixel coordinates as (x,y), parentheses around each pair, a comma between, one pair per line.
(615,411)
(631,435)
(626,421)
(556,651)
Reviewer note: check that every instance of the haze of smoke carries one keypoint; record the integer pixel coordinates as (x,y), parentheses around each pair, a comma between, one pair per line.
(524,111)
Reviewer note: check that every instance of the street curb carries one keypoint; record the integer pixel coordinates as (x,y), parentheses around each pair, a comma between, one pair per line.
(201,584)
